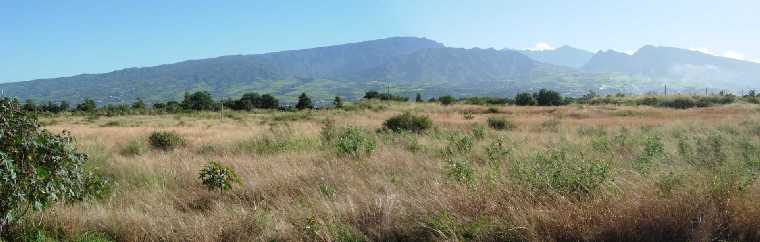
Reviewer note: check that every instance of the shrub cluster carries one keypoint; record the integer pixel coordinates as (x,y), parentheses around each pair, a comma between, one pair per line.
(216,176)
(355,142)
(561,172)
(38,168)
(408,122)
(165,140)
(500,123)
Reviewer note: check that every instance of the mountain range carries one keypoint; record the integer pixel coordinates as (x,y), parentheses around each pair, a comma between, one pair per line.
(404,66)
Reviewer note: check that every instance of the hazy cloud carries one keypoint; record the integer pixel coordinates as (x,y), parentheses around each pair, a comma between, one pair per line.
(542,46)
(734,55)
(703,50)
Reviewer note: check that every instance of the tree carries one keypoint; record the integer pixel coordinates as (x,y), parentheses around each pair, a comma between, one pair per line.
(446,100)
(249,101)
(139,104)
(198,101)
(546,97)
(418,98)
(268,101)
(87,106)
(64,106)
(338,102)
(304,102)
(524,99)
(38,168)
(372,95)
(30,106)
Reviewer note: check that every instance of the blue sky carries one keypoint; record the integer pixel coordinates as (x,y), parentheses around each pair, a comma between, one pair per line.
(42,39)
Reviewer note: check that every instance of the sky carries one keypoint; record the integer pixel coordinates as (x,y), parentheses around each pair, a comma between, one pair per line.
(45,39)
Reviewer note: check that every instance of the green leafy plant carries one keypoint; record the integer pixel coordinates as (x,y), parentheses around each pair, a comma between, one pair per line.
(355,142)
(165,140)
(479,131)
(561,172)
(38,168)
(216,176)
(408,122)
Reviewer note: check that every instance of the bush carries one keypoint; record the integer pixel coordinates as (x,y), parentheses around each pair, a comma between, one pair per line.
(560,172)
(355,142)
(38,168)
(460,171)
(447,100)
(165,140)
(546,97)
(524,99)
(479,131)
(500,123)
(408,122)
(215,176)
(459,144)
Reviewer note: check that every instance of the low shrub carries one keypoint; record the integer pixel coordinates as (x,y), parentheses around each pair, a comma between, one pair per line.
(500,123)
(561,172)
(460,171)
(459,144)
(216,176)
(355,142)
(165,140)
(408,122)
(479,131)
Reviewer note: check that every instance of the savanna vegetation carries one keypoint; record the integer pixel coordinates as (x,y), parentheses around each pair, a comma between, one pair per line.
(595,168)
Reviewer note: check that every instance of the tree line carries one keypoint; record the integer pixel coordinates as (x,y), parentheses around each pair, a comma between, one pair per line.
(203,101)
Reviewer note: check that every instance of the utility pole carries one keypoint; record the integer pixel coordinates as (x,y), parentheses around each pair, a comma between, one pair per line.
(666,89)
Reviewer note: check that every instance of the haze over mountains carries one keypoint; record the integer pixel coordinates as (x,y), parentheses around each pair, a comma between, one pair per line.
(403,65)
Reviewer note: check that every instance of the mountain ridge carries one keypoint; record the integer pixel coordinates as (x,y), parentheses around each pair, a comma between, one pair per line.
(408,64)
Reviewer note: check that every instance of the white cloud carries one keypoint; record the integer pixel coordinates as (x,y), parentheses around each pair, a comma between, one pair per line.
(734,55)
(703,50)
(629,52)
(542,46)
(728,54)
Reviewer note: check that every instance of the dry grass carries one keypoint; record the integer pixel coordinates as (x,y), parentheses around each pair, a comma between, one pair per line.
(402,192)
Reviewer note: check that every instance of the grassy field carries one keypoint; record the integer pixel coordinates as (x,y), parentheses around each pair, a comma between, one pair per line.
(571,173)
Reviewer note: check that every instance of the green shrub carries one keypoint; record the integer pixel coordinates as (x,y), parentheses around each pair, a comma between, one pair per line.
(355,142)
(468,116)
(561,172)
(215,176)
(460,171)
(500,123)
(524,99)
(653,150)
(408,122)
(38,168)
(447,100)
(459,144)
(479,132)
(165,140)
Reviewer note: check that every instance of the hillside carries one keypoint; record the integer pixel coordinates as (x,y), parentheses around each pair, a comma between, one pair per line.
(403,65)
(676,65)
